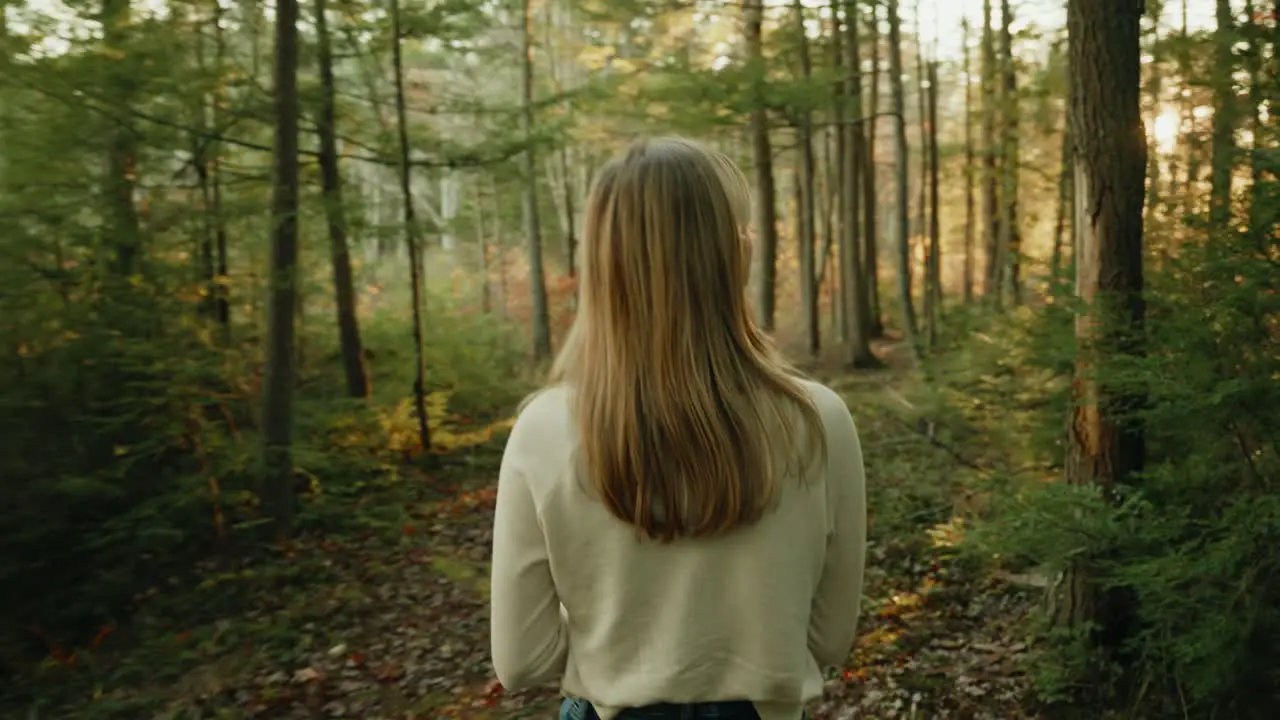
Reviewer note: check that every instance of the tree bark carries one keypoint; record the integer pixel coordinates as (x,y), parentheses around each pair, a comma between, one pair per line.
(1065,178)
(766,250)
(843,301)
(352,349)
(1104,449)
(990,186)
(921,229)
(969,200)
(1010,248)
(278,378)
(122,145)
(935,230)
(904,249)
(412,236)
(870,203)
(532,225)
(805,238)
(1224,119)
(852,264)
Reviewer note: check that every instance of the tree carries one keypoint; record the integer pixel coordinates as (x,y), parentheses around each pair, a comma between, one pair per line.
(335,214)
(278,377)
(990,186)
(541,328)
(1010,244)
(871,255)
(969,215)
(856,279)
(806,186)
(766,250)
(412,233)
(933,273)
(1224,117)
(1105,446)
(904,248)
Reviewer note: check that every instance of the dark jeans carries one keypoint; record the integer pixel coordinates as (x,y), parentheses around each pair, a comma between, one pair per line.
(578,709)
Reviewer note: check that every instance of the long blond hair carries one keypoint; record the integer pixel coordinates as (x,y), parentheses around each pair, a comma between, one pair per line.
(688,416)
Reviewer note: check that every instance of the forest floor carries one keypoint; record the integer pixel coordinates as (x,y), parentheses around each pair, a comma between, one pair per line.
(391,622)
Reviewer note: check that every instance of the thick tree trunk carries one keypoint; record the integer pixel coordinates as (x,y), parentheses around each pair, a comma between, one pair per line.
(1110,163)
(278,377)
(335,215)
(904,249)
(412,236)
(766,250)
(532,226)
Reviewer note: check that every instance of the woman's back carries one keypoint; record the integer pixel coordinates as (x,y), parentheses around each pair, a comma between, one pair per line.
(738,616)
(681,519)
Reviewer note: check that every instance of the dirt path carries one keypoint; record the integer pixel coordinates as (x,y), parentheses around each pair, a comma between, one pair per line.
(393,623)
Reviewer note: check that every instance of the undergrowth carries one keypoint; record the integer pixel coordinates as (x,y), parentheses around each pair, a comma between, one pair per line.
(1192,538)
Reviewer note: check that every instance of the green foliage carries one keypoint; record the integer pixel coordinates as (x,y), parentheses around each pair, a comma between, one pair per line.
(1194,537)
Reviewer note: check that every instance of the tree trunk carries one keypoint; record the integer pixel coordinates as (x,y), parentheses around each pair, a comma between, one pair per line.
(766,250)
(855,276)
(921,229)
(805,209)
(843,301)
(969,201)
(278,377)
(570,216)
(870,203)
(1260,213)
(335,215)
(532,226)
(1155,91)
(412,236)
(1224,119)
(935,229)
(122,145)
(222,293)
(1065,174)
(904,249)
(202,164)
(500,247)
(1010,236)
(482,240)
(990,187)
(1110,163)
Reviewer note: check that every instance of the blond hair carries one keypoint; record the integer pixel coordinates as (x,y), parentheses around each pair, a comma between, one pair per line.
(687,414)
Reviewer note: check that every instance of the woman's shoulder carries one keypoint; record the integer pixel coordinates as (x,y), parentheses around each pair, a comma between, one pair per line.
(542,414)
(831,407)
(824,398)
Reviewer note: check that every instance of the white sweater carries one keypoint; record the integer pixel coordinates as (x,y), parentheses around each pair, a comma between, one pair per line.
(751,615)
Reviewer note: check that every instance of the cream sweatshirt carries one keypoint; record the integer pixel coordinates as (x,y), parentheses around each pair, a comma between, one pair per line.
(751,615)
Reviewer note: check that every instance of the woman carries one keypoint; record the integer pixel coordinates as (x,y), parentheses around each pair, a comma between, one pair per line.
(681,520)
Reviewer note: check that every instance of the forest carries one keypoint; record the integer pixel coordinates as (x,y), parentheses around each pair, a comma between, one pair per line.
(275,276)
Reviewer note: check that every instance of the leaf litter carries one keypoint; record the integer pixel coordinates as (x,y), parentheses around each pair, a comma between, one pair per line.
(394,626)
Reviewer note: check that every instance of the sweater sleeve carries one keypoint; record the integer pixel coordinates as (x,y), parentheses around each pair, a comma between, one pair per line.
(833,618)
(528,637)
